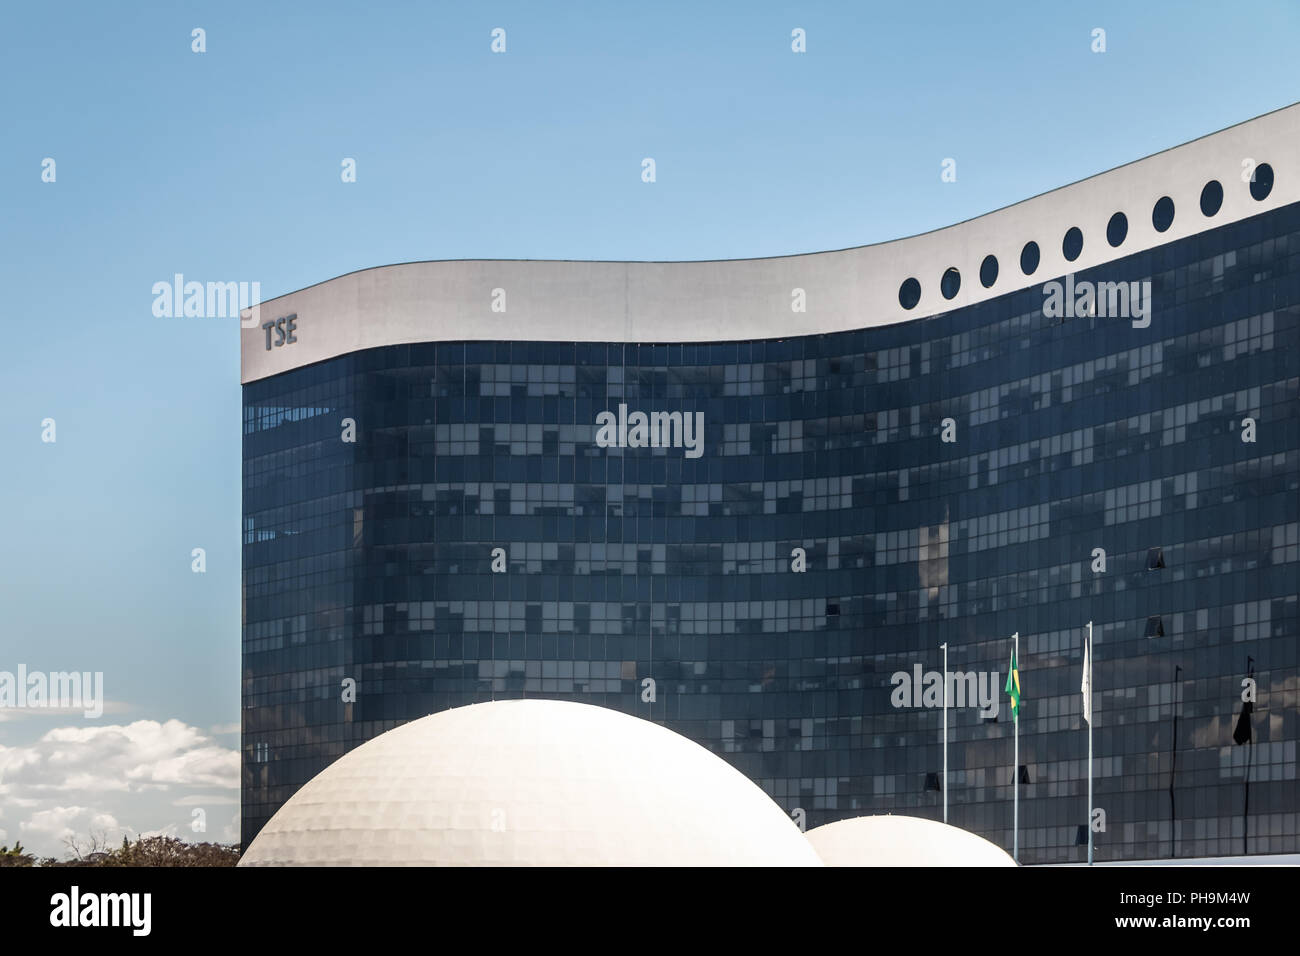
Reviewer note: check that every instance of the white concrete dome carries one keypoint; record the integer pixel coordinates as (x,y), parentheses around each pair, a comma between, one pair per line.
(530,783)
(903,841)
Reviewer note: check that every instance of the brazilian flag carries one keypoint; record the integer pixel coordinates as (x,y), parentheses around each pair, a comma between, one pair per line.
(1013,687)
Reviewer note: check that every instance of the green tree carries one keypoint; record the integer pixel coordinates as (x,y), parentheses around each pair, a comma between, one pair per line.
(145,851)
(16,856)
(169,851)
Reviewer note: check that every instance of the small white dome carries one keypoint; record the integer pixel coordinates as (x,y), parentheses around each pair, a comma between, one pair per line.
(903,841)
(530,782)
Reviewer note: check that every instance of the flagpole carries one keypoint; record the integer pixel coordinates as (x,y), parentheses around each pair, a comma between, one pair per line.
(1250,749)
(1015,773)
(944,645)
(1090,656)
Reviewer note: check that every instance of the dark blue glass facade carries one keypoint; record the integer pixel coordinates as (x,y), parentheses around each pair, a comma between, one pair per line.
(372,560)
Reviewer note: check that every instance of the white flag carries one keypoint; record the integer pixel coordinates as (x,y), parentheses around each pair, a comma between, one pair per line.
(1086,686)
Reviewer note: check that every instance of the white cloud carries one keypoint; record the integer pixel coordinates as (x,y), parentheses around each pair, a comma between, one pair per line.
(207,800)
(75,780)
(61,824)
(119,757)
(34,713)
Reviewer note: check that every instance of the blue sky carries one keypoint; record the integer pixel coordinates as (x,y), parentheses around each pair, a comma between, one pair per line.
(224,166)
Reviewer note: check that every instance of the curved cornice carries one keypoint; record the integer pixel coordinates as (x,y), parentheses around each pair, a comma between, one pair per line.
(738,299)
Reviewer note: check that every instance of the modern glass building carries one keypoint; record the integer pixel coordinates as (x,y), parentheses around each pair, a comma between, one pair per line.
(1084,407)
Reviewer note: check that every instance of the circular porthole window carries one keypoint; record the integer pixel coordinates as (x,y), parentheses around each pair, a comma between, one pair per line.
(909,293)
(1029,258)
(950,284)
(1117,229)
(1212,197)
(989,271)
(1162,214)
(1262,183)
(1072,244)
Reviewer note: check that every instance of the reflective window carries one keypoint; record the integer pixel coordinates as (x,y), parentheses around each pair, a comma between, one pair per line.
(909,293)
(1261,183)
(1072,244)
(1162,214)
(1211,198)
(989,271)
(1029,258)
(950,284)
(783,588)
(1116,229)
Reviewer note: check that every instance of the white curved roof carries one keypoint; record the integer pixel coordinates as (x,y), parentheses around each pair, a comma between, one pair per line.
(737,299)
(530,782)
(903,841)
